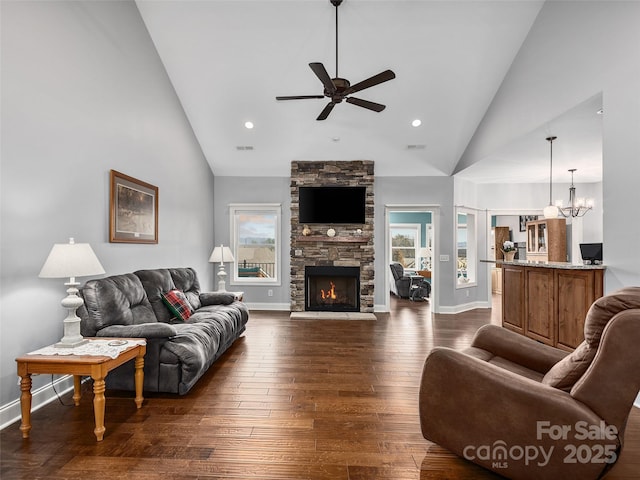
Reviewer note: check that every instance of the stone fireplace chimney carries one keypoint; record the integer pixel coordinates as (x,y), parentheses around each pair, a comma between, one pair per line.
(347,245)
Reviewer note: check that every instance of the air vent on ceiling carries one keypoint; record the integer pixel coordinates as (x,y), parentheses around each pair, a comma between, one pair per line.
(416,147)
(244,147)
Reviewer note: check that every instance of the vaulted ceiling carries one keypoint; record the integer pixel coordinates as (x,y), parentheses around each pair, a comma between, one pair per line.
(228,60)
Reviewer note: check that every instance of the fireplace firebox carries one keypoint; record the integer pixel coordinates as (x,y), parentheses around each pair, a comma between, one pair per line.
(332,289)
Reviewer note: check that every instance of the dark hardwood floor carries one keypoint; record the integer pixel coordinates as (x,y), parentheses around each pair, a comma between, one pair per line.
(292,399)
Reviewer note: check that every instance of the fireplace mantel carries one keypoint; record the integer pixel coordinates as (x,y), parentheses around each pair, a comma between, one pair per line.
(339,239)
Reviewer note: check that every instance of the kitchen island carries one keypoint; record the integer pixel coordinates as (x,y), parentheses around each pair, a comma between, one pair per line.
(548,301)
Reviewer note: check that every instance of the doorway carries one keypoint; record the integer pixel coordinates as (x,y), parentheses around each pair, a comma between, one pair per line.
(411,240)
(505,225)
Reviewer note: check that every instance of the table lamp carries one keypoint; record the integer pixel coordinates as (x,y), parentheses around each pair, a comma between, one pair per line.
(425,253)
(71,260)
(221,254)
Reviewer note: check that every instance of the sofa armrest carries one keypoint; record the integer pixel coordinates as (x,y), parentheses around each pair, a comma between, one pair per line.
(217,298)
(517,348)
(466,403)
(143,330)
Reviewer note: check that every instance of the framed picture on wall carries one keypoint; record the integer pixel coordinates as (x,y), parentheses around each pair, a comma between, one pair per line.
(524,219)
(133,212)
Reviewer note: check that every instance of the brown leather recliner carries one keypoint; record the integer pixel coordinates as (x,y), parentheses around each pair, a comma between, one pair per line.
(529,411)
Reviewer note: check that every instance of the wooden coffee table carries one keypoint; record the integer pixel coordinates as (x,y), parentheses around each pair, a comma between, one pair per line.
(97,367)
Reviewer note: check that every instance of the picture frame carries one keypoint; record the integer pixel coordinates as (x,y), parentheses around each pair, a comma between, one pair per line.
(526,218)
(133,210)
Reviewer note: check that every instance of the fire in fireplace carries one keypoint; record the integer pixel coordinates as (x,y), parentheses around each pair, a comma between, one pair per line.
(333,289)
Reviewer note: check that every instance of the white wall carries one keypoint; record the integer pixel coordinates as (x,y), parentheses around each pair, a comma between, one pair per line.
(83,92)
(535,196)
(574,51)
(257,190)
(394,191)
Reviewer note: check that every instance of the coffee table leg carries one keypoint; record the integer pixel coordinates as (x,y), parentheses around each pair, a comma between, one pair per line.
(139,380)
(25,404)
(76,389)
(98,407)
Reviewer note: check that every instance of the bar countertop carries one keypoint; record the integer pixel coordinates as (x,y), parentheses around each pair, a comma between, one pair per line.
(558,265)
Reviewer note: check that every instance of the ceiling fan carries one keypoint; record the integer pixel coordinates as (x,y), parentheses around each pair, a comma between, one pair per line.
(339,89)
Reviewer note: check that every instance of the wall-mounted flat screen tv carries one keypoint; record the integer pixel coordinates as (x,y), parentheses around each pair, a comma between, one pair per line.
(332,204)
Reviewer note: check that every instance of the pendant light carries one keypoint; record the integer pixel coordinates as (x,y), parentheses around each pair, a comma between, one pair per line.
(550,211)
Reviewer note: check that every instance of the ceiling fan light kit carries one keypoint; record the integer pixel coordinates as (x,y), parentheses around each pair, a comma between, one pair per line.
(338,89)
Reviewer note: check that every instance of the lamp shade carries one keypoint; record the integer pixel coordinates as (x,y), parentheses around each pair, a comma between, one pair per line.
(221,254)
(424,252)
(71,260)
(550,211)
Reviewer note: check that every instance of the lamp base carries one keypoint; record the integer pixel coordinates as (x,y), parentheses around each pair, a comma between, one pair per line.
(72,337)
(222,275)
(63,344)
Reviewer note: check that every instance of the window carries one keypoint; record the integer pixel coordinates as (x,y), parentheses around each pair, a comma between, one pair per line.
(466,248)
(405,243)
(255,241)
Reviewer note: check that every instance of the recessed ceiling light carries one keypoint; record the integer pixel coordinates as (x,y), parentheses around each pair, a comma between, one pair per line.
(416,123)
(248,125)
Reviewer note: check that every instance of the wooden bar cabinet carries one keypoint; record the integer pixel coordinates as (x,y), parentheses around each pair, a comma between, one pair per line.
(549,301)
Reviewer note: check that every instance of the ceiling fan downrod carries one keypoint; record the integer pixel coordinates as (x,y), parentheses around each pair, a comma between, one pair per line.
(336,3)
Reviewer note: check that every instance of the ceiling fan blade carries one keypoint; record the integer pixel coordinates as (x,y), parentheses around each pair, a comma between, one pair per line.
(299,97)
(327,110)
(371,81)
(376,107)
(324,77)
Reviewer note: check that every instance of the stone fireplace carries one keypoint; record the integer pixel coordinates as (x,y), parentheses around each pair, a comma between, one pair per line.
(345,248)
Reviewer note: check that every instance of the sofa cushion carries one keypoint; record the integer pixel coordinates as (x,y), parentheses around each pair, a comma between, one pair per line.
(177,303)
(195,346)
(217,298)
(186,279)
(115,300)
(564,374)
(157,282)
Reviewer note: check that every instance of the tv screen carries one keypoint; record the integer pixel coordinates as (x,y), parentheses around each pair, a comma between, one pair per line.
(591,253)
(332,204)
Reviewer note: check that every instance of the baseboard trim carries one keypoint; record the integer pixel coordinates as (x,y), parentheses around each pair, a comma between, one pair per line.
(11,412)
(268,306)
(465,307)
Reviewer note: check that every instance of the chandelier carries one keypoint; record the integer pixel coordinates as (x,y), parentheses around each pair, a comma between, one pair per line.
(577,207)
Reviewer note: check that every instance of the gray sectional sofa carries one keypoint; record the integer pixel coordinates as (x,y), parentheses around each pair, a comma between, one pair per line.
(179,351)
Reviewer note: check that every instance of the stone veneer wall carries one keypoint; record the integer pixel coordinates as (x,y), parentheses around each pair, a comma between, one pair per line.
(347,248)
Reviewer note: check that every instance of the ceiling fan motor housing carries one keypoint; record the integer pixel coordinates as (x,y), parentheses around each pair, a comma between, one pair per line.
(341,84)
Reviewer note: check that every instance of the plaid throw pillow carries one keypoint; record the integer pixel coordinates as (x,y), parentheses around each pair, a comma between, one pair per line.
(177,303)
